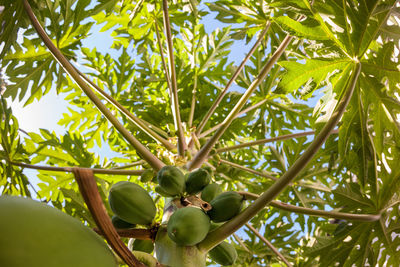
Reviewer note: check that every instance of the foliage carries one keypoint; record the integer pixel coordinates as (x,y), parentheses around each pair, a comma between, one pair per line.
(355,171)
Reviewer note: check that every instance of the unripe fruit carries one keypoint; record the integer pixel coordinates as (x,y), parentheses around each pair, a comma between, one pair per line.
(225,206)
(188,226)
(197,180)
(132,203)
(36,235)
(121,224)
(224,254)
(210,192)
(171,180)
(147,176)
(143,245)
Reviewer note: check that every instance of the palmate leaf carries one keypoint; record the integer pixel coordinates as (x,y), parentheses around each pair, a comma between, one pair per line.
(12,180)
(299,29)
(28,63)
(313,72)
(383,66)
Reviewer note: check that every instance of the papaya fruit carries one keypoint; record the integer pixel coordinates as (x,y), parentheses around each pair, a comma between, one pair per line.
(171,254)
(121,224)
(147,176)
(132,203)
(197,180)
(210,192)
(224,254)
(143,245)
(188,226)
(161,191)
(36,235)
(171,180)
(225,206)
(208,168)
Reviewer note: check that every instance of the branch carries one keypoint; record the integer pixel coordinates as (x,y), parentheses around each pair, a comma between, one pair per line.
(268,140)
(228,228)
(70,69)
(70,169)
(214,128)
(193,104)
(174,89)
(160,46)
(88,187)
(313,212)
(243,245)
(240,167)
(142,234)
(201,156)
(234,76)
(269,244)
(138,122)
(140,162)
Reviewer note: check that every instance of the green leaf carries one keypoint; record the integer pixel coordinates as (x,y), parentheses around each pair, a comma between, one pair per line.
(312,73)
(300,30)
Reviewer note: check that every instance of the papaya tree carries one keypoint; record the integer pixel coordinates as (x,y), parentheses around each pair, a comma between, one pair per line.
(252,133)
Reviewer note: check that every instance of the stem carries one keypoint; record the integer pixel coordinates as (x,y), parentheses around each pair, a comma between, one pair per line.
(237,72)
(174,89)
(268,140)
(88,187)
(138,122)
(160,46)
(243,245)
(193,104)
(71,169)
(214,128)
(70,69)
(142,234)
(269,244)
(237,166)
(201,156)
(140,162)
(313,212)
(231,226)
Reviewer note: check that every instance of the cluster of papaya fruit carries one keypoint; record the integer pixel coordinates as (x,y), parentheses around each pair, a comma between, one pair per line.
(189,225)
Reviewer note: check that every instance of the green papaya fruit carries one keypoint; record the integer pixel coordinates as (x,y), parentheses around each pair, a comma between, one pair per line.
(171,254)
(225,206)
(224,254)
(188,226)
(210,192)
(121,224)
(36,235)
(197,180)
(132,203)
(208,168)
(171,180)
(147,176)
(161,191)
(143,245)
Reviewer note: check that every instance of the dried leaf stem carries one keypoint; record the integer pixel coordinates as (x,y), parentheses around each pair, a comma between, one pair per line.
(88,188)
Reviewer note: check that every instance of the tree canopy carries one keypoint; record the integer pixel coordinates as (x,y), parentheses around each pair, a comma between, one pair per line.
(306,125)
